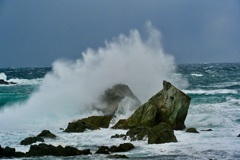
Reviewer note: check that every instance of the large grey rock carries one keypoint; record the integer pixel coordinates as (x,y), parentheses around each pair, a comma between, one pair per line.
(170,105)
(112,97)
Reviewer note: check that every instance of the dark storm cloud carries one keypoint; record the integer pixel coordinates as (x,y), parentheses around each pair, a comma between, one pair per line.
(35,33)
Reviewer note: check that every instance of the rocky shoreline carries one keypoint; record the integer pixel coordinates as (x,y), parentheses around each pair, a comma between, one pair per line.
(154,121)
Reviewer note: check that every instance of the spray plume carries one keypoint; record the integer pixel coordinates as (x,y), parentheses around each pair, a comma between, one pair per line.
(67,92)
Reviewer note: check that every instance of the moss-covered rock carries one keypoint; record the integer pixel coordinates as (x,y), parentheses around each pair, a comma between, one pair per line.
(91,123)
(120,124)
(170,105)
(162,133)
(138,133)
(79,126)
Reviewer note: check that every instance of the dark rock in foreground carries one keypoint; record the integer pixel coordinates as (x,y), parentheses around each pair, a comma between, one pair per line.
(170,105)
(238,135)
(46,134)
(117,156)
(192,130)
(9,152)
(121,148)
(5,82)
(91,123)
(50,150)
(31,140)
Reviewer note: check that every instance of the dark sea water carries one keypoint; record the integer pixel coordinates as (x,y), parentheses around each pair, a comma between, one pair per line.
(215,104)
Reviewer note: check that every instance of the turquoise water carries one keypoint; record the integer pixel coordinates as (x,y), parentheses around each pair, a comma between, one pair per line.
(27,79)
(215,104)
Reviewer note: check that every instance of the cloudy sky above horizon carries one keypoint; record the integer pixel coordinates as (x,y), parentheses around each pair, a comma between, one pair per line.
(38,32)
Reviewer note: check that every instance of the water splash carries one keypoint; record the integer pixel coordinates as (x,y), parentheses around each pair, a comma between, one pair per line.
(67,92)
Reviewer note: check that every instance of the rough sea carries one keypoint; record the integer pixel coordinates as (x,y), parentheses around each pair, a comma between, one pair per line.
(215,104)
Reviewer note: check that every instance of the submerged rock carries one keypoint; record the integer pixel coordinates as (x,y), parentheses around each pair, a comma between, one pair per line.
(170,105)
(117,156)
(5,82)
(46,134)
(31,140)
(113,96)
(207,130)
(119,136)
(91,123)
(192,130)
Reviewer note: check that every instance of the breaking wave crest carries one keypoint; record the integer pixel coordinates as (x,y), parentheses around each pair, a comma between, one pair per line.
(67,92)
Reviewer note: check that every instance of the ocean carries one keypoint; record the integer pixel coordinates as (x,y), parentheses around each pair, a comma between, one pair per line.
(214,89)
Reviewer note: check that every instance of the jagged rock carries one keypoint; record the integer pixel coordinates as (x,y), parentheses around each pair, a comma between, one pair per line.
(50,150)
(117,156)
(170,105)
(192,130)
(119,136)
(120,124)
(113,96)
(238,135)
(162,133)
(91,123)
(138,133)
(46,134)
(31,140)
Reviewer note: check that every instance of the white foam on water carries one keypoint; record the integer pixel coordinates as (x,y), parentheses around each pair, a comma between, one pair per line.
(211,92)
(196,75)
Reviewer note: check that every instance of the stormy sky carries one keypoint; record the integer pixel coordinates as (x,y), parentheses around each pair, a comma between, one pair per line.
(38,32)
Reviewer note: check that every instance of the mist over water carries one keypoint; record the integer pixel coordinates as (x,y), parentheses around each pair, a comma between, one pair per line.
(67,92)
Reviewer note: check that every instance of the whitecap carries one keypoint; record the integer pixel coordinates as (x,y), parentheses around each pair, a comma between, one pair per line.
(211,92)
(196,74)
